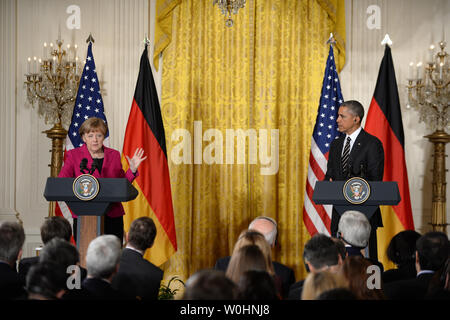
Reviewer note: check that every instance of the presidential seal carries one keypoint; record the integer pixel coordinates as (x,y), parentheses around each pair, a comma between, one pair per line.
(356,190)
(85,187)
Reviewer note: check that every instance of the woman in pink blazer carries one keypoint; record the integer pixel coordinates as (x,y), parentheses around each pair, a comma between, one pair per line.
(108,164)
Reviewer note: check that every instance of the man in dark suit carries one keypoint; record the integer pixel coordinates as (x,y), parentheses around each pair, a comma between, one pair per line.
(12,237)
(51,228)
(102,261)
(355,153)
(269,228)
(432,251)
(137,277)
(320,253)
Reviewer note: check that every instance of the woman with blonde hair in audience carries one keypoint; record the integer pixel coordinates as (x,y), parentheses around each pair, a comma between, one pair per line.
(319,282)
(355,272)
(252,237)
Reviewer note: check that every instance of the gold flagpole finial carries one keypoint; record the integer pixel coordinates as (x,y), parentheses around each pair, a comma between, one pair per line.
(90,39)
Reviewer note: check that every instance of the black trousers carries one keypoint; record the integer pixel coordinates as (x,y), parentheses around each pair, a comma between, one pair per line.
(110,226)
(373,247)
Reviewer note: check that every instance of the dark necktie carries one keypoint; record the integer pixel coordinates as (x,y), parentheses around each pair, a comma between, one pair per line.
(344,159)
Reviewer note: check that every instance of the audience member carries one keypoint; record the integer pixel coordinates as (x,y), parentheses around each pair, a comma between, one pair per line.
(246,258)
(102,261)
(336,294)
(46,281)
(355,271)
(318,282)
(12,238)
(64,254)
(257,285)
(269,228)
(439,287)
(137,277)
(354,229)
(209,284)
(402,252)
(432,251)
(320,253)
(52,227)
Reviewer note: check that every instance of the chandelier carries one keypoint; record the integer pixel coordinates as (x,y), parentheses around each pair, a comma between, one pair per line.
(428,91)
(52,82)
(229,6)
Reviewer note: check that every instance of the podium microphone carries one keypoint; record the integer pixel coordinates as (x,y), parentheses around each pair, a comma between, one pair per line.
(83,165)
(93,167)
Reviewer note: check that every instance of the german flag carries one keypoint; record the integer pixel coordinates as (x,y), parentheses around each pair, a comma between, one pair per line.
(145,129)
(384,120)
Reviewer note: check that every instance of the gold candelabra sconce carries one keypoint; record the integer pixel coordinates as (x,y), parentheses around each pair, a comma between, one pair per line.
(52,84)
(428,93)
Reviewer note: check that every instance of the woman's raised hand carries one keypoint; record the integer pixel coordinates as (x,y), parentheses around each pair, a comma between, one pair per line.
(135,162)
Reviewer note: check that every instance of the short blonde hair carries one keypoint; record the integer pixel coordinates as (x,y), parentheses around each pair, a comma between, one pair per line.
(93,124)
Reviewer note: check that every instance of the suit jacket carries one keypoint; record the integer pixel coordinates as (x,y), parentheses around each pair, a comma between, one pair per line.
(404,272)
(411,289)
(285,273)
(11,286)
(26,263)
(99,289)
(137,277)
(112,168)
(366,160)
(295,291)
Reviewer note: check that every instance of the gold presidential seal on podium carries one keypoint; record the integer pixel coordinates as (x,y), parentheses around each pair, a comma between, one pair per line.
(356,190)
(86,187)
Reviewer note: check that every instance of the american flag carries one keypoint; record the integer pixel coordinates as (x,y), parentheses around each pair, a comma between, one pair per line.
(317,218)
(88,103)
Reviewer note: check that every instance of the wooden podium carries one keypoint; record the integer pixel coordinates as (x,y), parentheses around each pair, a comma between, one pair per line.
(90,213)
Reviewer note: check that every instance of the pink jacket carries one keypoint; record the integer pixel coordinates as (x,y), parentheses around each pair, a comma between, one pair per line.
(112,168)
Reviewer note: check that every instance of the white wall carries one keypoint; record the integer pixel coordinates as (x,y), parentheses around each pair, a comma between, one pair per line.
(118,27)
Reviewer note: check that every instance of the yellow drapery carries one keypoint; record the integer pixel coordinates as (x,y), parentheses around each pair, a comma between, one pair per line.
(262,76)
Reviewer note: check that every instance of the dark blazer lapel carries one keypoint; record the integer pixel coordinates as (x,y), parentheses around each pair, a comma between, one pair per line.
(358,144)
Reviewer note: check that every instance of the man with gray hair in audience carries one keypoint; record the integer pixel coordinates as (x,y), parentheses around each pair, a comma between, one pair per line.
(102,262)
(354,230)
(12,238)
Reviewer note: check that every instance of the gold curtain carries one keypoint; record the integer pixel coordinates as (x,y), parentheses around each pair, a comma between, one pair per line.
(262,76)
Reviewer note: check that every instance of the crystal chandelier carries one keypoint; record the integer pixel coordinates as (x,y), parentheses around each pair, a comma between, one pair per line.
(228,7)
(429,92)
(52,82)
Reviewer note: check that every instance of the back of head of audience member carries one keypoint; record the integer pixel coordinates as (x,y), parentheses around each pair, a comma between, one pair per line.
(355,272)
(246,258)
(402,248)
(432,251)
(46,281)
(209,284)
(257,285)
(251,237)
(336,294)
(102,258)
(340,245)
(354,228)
(60,252)
(55,227)
(317,283)
(267,226)
(12,238)
(142,233)
(321,253)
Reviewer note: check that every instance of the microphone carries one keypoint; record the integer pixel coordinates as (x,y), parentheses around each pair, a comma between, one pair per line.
(349,169)
(83,165)
(93,167)
(362,171)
